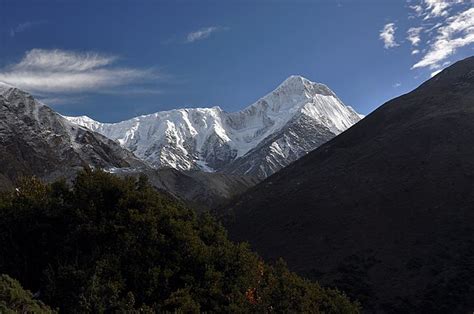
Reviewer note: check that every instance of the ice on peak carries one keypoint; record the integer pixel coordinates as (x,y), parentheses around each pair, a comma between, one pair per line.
(299,85)
(85,118)
(4,87)
(85,121)
(296,79)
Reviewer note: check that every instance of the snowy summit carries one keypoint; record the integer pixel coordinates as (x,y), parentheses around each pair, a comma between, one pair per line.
(295,118)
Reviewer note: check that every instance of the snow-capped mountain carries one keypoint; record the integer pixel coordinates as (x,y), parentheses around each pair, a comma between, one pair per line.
(35,140)
(295,118)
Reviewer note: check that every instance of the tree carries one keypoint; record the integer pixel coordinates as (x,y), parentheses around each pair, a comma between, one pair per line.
(111,244)
(14,299)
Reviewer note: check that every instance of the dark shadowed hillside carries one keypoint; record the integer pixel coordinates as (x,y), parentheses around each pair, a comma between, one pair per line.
(384,211)
(202,190)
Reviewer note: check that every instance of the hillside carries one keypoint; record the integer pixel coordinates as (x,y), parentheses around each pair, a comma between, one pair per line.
(385,210)
(105,244)
(35,140)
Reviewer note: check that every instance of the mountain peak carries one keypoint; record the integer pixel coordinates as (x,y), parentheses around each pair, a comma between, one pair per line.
(4,87)
(288,122)
(299,85)
(395,181)
(296,81)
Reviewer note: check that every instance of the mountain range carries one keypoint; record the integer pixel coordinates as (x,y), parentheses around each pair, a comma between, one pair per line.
(383,211)
(35,140)
(175,149)
(379,207)
(284,125)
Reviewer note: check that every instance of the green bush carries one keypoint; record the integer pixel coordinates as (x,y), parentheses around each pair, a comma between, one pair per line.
(111,244)
(13,299)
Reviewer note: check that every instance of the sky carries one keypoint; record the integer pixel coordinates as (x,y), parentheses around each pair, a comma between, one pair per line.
(112,60)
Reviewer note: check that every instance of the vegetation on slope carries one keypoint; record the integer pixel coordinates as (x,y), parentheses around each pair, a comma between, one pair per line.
(14,299)
(111,244)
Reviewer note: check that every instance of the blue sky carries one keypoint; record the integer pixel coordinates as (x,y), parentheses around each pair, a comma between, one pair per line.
(113,60)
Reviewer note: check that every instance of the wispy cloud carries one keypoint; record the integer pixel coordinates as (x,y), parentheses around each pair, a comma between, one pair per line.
(437,30)
(134,91)
(203,33)
(387,35)
(61,100)
(435,72)
(24,26)
(414,35)
(456,32)
(417,9)
(397,85)
(438,8)
(60,71)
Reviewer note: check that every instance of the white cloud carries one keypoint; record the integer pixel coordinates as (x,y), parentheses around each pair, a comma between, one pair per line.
(24,26)
(457,32)
(442,67)
(60,100)
(203,33)
(397,85)
(59,71)
(387,35)
(435,72)
(438,29)
(436,8)
(414,35)
(435,26)
(63,60)
(418,9)
(439,8)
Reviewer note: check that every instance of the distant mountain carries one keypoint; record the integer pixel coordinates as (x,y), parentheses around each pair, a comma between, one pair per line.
(202,190)
(385,211)
(35,140)
(278,129)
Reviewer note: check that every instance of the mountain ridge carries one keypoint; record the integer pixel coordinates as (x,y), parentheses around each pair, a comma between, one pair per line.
(35,140)
(211,139)
(384,210)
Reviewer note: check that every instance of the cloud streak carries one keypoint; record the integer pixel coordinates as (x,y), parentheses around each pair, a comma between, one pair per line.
(438,8)
(438,30)
(387,35)
(414,35)
(457,32)
(203,33)
(60,71)
(24,27)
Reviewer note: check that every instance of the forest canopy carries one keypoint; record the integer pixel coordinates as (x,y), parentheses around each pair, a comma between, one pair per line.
(103,243)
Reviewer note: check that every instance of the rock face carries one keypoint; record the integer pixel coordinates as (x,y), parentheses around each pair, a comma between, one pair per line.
(385,210)
(35,140)
(281,127)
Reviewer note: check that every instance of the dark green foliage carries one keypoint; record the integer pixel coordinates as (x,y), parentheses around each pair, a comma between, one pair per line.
(14,299)
(111,244)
